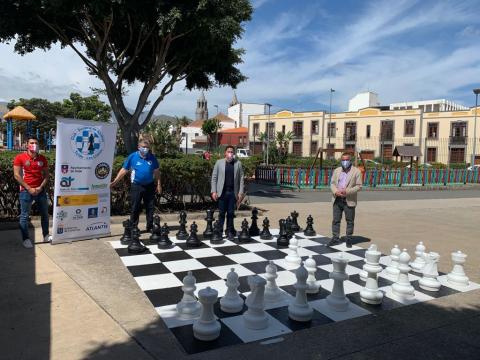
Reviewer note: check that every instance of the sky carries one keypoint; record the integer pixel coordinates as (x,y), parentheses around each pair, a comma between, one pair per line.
(296,51)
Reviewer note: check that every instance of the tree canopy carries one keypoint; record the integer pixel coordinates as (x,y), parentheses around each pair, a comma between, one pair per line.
(153,42)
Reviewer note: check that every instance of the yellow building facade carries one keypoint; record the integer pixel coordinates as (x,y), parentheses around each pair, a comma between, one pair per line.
(442,136)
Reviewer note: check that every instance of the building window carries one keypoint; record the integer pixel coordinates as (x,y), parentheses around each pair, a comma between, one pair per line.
(410,127)
(314,127)
(256,129)
(330,154)
(283,129)
(313,147)
(297,148)
(331,130)
(240,139)
(350,131)
(271,130)
(457,155)
(297,128)
(431,154)
(432,130)
(386,130)
(369,129)
(428,108)
(196,134)
(387,151)
(436,107)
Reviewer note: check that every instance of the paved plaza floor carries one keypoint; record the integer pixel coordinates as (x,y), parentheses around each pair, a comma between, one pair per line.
(78,301)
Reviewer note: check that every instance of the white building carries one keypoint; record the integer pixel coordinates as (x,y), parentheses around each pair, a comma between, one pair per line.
(428,105)
(240,112)
(363,100)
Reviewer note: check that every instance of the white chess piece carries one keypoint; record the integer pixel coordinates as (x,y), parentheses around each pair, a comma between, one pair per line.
(429,280)
(293,258)
(255,317)
(189,307)
(232,302)
(364,274)
(370,293)
(419,262)
(207,328)
(272,292)
(313,286)
(299,309)
(402,287)
(457,275)
(337,299)
(392,269)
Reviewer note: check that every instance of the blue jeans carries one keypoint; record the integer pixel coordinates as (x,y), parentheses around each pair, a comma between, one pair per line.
(226,204)
(26,200)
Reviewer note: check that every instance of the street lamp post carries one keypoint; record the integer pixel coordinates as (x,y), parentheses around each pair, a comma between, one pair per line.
(476,92)
(330,118)
(268,129)
(216,129)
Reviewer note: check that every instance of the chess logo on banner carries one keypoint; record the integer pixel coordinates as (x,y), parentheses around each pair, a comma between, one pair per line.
(87,142)
(61,215)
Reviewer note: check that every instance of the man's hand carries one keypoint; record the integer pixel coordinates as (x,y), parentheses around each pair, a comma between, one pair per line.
(32,191)
(340,193)
(240,199)
(113,184)
(214,196)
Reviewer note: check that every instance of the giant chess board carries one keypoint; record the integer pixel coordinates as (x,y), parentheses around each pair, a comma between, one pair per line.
(159,273)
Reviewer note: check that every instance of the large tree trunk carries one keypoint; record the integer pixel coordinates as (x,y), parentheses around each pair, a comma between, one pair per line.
(130,138)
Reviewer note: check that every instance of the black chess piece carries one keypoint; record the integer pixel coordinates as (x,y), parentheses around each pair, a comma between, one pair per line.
(288,227)
(155,237)
(182,233)
(126,237)
(295,227)
(164,241)
(244,234)
(254,230)
(282,240)
(309,229)
(265,233)
(217,234)
(193,240)
(136,246)
(208,233)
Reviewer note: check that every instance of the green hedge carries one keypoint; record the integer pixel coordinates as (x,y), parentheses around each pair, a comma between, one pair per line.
(185,182)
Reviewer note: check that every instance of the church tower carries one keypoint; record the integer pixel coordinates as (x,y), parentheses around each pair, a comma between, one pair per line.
(234,100)
(202,109)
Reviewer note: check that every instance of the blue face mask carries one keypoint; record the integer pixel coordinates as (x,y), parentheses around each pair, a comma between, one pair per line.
(346,164)
(143,150)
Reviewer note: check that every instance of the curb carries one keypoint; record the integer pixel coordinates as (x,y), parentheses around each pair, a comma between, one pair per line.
(418,187)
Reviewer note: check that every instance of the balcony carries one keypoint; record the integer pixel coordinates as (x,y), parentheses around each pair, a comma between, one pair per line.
(350,138)
(388,136)
(298,134)
(458,140)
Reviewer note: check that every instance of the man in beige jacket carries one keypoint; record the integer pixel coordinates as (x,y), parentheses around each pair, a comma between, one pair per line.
(346,182)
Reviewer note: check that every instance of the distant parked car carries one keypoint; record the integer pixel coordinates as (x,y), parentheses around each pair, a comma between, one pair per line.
(371,163)
(474,167)
(421,166)
(243,153)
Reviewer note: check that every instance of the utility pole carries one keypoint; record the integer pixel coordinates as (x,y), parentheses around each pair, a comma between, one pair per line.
(476,92)
(268,129)
(330,118)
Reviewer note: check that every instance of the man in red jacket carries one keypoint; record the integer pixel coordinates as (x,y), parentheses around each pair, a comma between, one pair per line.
(30,169)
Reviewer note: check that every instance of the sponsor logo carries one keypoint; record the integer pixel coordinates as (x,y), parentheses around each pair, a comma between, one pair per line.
(102,170)
(64,169)
(138,163)
(61,215)
(79,169)
(77,200)
(149,162)
(101,225)
(104,197)
(27,163)
(78,215)
(93,212)
(104,211)
(99,186)
(40,163)
(60,229)
(66,181)
(87,142)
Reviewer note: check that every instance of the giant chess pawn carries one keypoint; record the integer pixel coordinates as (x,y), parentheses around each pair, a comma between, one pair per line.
(300,309)
(244,234)
(272,292)
(370,294)
(207,328)
(254,230)
(136,247)
(313,286)
(429,280)
(164,240)
(457,275)
(193,240)
(282,240)
(293,258)
(182,233)
(402,287)
(309,229)
(155,237)
(265,233)
(392,271)
(126,237)
(217,234)
(295,227)
(419,262)
(255,317)
(207,234)
(189,307)
(337,299)
(232,302)
(288,227)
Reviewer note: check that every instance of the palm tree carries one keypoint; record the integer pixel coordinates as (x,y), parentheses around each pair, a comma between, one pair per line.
(283,140)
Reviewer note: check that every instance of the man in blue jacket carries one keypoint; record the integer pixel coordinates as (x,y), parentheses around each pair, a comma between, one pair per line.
(145,173)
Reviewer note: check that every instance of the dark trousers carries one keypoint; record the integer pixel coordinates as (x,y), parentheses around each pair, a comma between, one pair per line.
(340,206)
(137,193)
(226,204)
(26,200)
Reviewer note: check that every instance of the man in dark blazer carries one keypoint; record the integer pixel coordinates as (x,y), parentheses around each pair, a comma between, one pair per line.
(227,187)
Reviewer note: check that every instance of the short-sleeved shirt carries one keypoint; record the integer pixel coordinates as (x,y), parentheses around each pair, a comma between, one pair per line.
(142,168)
(32,168)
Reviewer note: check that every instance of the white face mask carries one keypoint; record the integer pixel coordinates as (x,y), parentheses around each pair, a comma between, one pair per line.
(143,150)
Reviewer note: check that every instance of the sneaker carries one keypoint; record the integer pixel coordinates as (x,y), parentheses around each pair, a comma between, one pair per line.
(334,241)
(27,243)
(47,238)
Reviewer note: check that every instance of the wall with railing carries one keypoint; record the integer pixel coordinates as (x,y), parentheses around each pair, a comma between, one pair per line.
(305,178)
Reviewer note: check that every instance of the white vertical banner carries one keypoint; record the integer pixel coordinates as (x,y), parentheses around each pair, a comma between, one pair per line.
(83,169)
